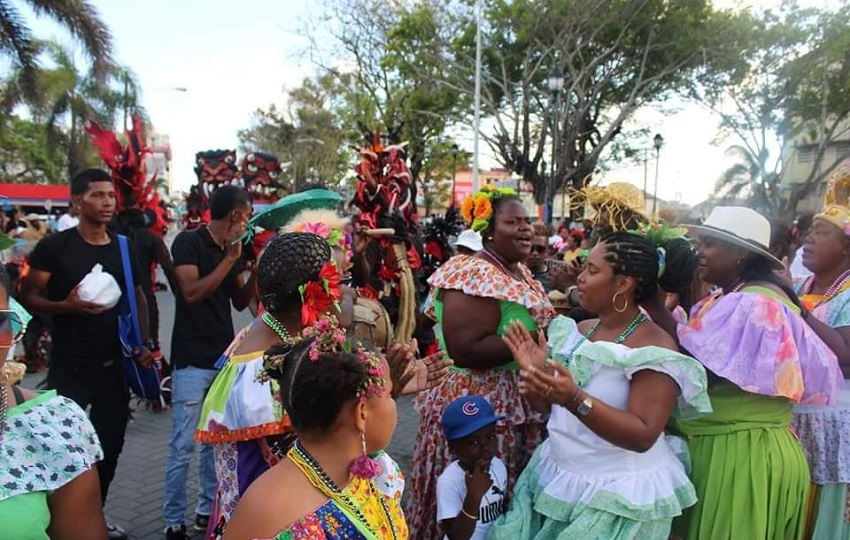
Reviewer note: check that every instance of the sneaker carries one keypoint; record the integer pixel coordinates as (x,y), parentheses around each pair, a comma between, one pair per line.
(114,532)
(201,522)
(176,533)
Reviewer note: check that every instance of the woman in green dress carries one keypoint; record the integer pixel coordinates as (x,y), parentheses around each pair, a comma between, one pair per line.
(749,470)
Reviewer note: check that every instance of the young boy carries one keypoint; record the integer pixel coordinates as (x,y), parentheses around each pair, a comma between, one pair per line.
(471,491)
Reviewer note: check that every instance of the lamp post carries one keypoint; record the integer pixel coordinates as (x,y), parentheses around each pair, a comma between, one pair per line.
(556,84)
(454,170)
(657,142)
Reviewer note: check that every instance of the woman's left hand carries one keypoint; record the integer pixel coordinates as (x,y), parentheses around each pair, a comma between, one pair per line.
(427,373)
(554,384)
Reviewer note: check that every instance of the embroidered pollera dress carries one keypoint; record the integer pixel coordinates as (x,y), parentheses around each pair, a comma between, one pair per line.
(825,432)
(521,430)
(748,468)
(240,416)
(49,442)
(578,485)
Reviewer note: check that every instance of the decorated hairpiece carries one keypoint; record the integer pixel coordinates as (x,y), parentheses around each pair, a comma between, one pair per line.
(620,200)
(328,337)
(836,201)
(325,223)
(658,234)
(319,297)
(477,209)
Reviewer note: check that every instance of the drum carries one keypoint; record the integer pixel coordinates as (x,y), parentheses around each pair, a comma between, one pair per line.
(371,323)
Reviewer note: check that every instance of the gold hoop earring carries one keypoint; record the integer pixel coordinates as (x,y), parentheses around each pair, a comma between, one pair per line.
(614,303)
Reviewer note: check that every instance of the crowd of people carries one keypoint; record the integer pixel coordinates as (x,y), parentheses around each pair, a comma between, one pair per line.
(622,377)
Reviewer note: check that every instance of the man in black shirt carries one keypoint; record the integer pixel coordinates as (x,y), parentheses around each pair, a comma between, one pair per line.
(86,364)
(207,264)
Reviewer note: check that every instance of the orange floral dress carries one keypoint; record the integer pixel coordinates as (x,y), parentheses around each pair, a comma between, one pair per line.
(521,430)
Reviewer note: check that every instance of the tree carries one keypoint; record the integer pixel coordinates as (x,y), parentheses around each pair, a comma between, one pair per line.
(78,17)
(69,97)
(749,178)
(616,55)
(794,95)
(307,133)
(392,64)
(24,154)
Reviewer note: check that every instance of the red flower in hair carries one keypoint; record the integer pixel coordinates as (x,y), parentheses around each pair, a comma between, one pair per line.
(320,296)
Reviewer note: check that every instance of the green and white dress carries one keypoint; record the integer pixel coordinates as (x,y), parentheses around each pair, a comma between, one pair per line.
(48,442)
(579,485)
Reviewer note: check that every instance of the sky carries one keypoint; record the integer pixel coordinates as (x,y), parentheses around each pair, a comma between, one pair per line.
(234,57)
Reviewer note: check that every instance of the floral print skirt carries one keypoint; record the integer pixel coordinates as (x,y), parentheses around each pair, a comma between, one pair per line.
(518,434)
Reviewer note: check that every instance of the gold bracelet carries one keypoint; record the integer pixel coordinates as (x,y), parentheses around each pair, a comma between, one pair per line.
(467,514)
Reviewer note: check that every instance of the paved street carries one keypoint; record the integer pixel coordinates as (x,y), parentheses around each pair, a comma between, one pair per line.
(135,498)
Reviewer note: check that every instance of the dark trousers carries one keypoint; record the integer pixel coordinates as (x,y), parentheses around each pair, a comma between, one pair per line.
(104,388)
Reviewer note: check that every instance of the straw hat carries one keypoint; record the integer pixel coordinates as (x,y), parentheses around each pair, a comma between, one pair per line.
(743,227)
(618,199)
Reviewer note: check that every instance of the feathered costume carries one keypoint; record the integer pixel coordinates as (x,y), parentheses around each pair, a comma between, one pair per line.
(385,197)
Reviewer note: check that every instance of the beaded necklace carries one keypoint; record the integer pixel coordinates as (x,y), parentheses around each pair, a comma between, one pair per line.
(4,396)
(504,268)
(628,331)
(276,327)
(321,481)
(831,291)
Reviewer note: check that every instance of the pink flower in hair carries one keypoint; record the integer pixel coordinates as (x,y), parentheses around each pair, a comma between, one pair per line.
(318,228)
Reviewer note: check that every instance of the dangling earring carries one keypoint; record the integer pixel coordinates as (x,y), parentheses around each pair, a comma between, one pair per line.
(364,466)
(625,304)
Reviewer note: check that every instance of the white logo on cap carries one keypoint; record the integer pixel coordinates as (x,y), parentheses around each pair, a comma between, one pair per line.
(470,408)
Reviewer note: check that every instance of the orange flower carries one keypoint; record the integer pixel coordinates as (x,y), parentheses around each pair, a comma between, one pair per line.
(483,209)
(466,209)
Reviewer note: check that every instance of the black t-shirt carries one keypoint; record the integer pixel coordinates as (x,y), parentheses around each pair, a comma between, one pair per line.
(81,340)
(146,244)
(203,331)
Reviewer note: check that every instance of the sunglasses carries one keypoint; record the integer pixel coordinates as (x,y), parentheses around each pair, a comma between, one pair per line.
(12,326)
(538,249)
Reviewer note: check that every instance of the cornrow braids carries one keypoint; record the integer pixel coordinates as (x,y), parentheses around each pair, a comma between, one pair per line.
(634,256)
(289,261)
(313,392)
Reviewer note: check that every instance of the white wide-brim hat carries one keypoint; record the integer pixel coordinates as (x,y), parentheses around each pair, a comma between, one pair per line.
(741,226)
(470,240)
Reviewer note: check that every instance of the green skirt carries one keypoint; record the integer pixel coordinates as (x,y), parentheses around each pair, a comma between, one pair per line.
(749,471)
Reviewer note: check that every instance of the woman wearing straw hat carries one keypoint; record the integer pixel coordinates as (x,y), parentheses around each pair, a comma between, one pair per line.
(825,430)
(749,471)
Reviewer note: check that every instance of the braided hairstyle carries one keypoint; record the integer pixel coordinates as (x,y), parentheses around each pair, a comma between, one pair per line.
(635,256)
(289,261)
(313,392)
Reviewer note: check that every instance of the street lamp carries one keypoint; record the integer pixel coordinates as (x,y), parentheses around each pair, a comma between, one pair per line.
(657,142)
(556,84)
(454,170)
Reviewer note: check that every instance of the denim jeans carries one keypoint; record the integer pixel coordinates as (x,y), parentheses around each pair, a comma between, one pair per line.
(189,386)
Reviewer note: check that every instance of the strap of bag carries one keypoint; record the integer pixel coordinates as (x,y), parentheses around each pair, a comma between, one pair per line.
(131,288)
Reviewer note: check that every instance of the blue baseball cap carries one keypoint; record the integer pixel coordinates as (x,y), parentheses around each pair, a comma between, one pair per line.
(466,415)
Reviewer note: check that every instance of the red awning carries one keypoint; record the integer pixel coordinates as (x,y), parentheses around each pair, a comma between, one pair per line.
(34,194)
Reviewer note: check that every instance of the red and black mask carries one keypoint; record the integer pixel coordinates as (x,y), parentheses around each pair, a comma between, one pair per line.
(261,174)
(216,168)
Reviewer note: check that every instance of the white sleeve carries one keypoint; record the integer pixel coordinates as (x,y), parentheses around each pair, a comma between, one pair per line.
(500,474)
(451,491)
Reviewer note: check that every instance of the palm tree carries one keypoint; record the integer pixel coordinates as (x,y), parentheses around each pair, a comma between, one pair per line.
(748,178)
(78,17)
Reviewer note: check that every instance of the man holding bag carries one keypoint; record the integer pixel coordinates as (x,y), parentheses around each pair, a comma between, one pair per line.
(86,361)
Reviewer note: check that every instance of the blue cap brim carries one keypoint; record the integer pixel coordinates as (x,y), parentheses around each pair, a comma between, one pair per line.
(472,427)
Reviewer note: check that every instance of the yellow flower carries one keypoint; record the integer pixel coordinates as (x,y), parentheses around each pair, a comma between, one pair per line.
(487,188)
(483,209)
(466,209)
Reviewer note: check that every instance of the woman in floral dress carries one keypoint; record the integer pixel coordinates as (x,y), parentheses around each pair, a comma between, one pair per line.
(825,430)
(474,299)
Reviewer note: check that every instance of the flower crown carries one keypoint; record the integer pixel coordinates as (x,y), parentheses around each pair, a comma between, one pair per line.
(329,337)
(336,238)
(320,296)
(477,209)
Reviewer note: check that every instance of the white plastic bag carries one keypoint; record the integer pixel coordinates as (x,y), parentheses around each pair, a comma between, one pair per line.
(99,287)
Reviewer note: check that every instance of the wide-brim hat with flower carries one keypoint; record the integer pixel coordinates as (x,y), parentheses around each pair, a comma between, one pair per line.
(740,226)
(836,200)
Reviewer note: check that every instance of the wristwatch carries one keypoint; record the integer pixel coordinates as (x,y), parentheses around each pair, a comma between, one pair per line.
(585,406)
